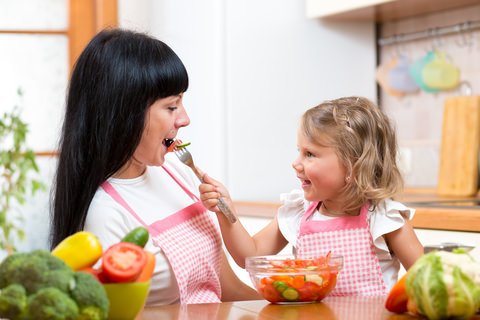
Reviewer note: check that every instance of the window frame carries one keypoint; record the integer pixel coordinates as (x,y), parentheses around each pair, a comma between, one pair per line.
(86,18)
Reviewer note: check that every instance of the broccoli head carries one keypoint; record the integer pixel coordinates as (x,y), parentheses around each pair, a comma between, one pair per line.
(38,285)
(90,297)
(10,268)
(32,270)
(13,302)
(52,304)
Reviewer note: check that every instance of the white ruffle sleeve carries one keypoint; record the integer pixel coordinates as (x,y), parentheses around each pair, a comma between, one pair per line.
(388,216)
(290,214)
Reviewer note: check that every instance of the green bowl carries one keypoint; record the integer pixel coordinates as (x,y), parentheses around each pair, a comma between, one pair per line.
(126,299)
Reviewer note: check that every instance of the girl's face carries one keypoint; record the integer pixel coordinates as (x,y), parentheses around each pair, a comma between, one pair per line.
(321,172)
(162,121)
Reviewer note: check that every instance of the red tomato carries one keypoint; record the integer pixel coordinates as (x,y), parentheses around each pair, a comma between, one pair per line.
(123,261)
(267,280)
(309,292)
(270,293)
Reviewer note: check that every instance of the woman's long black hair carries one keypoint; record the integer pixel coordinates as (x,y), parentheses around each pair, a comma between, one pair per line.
(118,76)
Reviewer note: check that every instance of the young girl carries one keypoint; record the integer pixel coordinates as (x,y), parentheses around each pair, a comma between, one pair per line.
(348,171)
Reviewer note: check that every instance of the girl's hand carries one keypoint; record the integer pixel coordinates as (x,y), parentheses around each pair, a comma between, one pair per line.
(210,191)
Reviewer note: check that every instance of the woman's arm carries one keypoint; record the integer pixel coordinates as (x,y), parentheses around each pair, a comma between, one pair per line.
(240,244)
(233,289)
(405,244)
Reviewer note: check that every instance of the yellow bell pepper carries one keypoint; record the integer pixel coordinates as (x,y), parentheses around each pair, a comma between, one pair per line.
(80,250)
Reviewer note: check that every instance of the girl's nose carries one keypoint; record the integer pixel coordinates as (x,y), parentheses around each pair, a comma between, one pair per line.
(296,165)
(182,119)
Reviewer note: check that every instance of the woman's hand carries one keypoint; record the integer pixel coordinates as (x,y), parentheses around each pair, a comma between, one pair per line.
(211,191)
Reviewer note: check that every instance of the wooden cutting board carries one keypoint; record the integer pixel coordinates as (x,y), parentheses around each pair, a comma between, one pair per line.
(458,174)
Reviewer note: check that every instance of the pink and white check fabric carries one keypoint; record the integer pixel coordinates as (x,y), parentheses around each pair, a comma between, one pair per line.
(348,236)
(190,239)
(193,248)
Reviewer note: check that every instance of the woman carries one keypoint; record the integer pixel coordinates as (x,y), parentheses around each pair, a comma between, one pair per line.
(124,106)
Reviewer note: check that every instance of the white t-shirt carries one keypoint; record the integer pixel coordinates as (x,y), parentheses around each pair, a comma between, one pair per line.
(153,196)
(388,216)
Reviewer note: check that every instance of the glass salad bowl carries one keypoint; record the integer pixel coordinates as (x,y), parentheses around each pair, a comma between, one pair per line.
(285,279)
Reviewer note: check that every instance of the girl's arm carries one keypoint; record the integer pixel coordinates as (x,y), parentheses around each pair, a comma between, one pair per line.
(239,242)
(233,289)
(405,244)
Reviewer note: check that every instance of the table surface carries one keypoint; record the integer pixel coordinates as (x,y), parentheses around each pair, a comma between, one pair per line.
(338,308)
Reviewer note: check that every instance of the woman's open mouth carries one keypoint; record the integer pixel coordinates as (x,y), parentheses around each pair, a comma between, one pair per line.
(168,142)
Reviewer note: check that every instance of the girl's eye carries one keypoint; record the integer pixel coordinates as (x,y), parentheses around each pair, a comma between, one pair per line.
(308,154)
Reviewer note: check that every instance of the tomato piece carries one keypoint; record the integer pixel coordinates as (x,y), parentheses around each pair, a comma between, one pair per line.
(97,273)
(397,298)
(147,272)
(173,145)
(267,280)
(309,292)
(270,293)
(123,261)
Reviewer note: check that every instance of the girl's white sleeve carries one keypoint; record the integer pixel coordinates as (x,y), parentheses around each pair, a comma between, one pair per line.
(290,214)
(388,216)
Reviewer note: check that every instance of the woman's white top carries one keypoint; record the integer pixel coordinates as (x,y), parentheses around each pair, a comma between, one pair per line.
(153,196)
(388,216)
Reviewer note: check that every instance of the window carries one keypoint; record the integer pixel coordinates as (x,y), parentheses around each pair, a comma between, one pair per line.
(39,44)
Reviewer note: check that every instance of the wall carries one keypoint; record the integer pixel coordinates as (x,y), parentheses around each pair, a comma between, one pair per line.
(255,66)
(419,116)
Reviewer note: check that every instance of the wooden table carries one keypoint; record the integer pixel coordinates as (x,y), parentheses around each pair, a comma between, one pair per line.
(332,308)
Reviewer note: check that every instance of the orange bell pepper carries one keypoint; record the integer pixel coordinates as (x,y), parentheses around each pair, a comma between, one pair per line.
(147,272)
(397,298)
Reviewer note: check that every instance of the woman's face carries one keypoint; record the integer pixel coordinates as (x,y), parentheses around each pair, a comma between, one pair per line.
(162,121)
(320,170)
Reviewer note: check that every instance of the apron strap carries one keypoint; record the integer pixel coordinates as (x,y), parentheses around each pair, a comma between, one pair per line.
(118,198)
(310,211)
(192,195)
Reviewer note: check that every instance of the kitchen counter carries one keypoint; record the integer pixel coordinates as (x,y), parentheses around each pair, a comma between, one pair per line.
(432,211)
(333,308)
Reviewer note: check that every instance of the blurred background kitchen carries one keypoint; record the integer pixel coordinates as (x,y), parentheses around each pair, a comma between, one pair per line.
(254,67)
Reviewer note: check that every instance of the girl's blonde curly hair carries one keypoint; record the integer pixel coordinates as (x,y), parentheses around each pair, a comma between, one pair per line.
(366,144)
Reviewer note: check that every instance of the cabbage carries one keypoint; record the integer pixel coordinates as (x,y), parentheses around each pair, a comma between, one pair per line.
(445,284)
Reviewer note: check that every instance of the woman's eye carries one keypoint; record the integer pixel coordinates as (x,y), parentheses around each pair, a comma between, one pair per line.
(173,108)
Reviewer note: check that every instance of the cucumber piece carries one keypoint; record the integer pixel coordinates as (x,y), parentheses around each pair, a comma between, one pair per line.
(314,278)
(138,236)
(184,145)
(290,294)
(311,268)
(280,286)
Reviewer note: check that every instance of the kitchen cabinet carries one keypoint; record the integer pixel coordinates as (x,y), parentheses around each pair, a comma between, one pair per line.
(379,10)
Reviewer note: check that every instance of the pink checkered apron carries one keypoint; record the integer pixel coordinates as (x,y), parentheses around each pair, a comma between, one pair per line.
(191,241)
(348,236)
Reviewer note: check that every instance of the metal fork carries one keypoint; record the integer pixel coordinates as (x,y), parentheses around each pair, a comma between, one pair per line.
(186,157)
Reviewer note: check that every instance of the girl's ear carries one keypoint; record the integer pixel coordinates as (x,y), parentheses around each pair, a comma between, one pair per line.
(347,179)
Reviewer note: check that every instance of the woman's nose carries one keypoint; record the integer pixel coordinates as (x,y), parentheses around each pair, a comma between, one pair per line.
(182,120)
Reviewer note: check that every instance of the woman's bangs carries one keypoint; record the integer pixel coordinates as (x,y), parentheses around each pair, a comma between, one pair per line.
(170,78)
